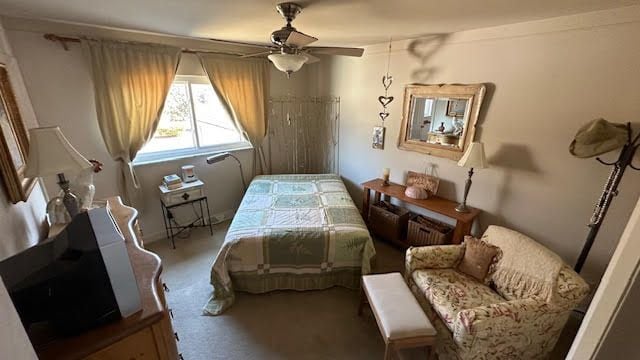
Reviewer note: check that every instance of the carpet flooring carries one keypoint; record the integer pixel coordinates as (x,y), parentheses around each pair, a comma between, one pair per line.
(306,325)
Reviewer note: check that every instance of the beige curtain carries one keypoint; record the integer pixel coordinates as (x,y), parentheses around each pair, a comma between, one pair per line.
(131,82)
(243,85)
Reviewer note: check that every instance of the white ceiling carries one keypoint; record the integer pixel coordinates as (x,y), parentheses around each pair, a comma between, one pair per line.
(334,22)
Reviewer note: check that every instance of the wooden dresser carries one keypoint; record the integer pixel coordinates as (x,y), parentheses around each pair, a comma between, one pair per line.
(146,335)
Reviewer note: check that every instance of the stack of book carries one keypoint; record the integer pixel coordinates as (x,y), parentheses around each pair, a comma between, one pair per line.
(172,181)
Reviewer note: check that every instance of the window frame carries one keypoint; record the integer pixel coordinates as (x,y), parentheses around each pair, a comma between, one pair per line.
(165,155)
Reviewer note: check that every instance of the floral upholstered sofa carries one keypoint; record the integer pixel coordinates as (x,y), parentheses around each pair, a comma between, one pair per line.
(514,316)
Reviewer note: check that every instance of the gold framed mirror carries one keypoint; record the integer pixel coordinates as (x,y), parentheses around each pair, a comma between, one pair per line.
(14,144)
(440,120)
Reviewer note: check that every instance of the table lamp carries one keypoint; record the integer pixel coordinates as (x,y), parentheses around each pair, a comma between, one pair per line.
(50,153)
(472,158)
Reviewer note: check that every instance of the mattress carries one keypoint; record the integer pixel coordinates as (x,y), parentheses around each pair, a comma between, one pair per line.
(298,232)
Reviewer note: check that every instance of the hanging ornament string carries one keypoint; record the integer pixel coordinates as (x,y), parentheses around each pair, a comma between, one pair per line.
(387,80)
(388,57)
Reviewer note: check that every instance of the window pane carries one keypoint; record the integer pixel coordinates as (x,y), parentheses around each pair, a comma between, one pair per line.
(215,126)
(428,107)
(175,129)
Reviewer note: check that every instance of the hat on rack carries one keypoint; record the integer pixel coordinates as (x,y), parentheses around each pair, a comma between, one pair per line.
(598,137)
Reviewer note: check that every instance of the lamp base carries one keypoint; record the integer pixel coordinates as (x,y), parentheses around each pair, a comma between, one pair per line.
(57,212)
(69,199)
(462,207)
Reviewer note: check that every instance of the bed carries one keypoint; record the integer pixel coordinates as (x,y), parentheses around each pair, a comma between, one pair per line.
(297,232)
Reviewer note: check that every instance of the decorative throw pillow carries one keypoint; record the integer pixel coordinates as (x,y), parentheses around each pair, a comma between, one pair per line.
(479,259)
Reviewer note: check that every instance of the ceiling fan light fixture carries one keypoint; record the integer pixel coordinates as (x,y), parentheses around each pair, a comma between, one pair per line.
(288,63)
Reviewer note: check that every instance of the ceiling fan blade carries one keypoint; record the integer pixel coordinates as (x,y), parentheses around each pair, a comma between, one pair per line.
(357,52)
(311,59)
(242,44)
(256,54)
(297,39)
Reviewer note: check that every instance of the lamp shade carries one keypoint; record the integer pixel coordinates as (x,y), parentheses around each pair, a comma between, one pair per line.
(50,153)
(474,157)
(217,158)
(288,62)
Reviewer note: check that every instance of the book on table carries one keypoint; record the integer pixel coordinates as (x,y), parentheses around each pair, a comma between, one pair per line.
(172,182)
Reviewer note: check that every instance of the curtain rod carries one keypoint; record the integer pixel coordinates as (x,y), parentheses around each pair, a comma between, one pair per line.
(64,40)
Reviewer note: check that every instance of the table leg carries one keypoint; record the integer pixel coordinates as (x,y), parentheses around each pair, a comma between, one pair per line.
(169,217)
(164,219)
(204,223)
(206,201)
(365,204)
(462,229)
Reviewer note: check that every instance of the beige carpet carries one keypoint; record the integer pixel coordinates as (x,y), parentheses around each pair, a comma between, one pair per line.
(279,325)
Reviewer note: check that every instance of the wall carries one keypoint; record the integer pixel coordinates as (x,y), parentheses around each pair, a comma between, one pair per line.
(62,93)
(22,224)
(545,80)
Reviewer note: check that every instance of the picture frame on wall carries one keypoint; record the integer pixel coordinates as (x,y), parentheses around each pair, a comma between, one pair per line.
(378,137)
(456,107)
(14,143)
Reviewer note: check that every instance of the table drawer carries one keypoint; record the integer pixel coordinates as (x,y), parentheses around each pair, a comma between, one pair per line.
(140,345)
(182,196)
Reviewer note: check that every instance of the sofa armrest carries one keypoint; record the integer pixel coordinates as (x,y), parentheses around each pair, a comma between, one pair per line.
(571,289)
(508,318)
(432,257)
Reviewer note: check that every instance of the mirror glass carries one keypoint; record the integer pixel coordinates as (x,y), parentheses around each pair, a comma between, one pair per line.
(438,120)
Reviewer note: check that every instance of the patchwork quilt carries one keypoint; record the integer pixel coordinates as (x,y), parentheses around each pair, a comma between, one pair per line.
(298,232)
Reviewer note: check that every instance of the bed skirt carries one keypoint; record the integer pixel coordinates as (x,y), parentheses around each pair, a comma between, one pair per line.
(348,278)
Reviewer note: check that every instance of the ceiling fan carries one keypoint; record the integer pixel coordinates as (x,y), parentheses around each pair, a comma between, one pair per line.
(290,51)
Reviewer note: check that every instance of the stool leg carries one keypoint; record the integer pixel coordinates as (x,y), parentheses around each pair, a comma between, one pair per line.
(363,301)
(388,350)
(431,352)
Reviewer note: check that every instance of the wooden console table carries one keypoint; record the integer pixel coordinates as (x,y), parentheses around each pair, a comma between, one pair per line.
(433,203)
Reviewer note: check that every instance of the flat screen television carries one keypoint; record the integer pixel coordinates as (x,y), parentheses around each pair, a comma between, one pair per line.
(76,280)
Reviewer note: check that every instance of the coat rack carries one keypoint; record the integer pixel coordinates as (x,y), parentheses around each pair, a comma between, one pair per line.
(609,192)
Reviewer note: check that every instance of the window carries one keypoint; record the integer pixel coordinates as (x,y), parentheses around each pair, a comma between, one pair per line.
(193,121)
(428,107)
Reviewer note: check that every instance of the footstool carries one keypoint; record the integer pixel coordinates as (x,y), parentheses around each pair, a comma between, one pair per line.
(401,320)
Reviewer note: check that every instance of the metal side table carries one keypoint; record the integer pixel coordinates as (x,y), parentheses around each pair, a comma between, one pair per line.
(189,194)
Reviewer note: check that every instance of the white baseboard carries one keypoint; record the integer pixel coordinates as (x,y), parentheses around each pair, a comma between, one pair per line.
(150,237)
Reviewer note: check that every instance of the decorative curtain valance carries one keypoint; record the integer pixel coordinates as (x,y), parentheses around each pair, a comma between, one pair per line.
(243,86)
(131,82)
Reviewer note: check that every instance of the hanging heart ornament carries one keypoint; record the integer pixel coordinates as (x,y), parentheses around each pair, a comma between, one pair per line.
(383,115)
(386,81)
(385,100)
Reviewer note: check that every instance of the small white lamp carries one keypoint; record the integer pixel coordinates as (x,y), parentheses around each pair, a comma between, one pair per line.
(50,153)
(472,158)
